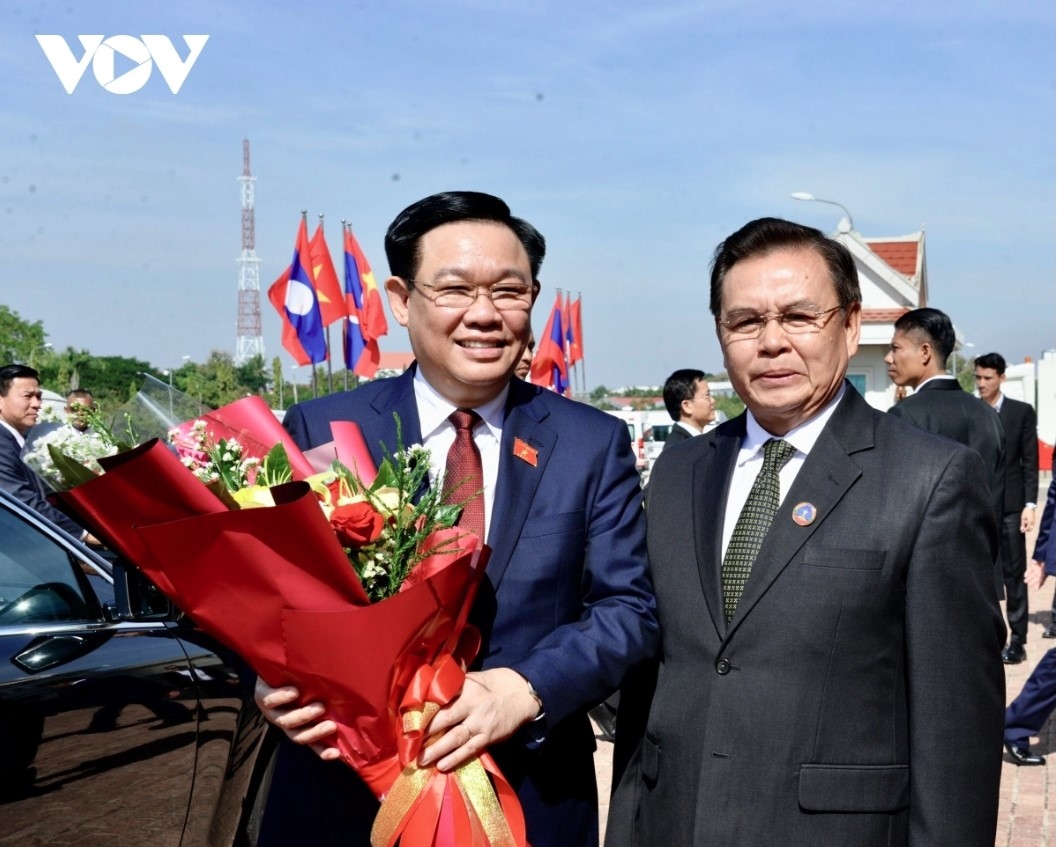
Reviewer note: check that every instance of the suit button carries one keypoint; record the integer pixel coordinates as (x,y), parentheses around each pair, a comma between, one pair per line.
(722,667)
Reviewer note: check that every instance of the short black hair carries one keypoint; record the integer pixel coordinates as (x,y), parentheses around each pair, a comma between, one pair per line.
(765,235)
(406,231)
(993,361)
(80,392)
(934,324)
(9,373)
(680,386)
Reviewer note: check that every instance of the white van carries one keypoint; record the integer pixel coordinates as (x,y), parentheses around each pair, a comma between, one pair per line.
(647,430)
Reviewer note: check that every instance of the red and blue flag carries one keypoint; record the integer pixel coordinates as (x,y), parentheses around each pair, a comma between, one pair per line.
(293,295)
(548,365)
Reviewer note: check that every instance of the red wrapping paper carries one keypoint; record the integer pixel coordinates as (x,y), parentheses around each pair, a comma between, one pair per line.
(274,585)
(252,424)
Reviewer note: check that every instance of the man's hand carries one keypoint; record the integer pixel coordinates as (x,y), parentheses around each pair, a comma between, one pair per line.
(491,707)
(301,724)
(1035,575)
(1027,519)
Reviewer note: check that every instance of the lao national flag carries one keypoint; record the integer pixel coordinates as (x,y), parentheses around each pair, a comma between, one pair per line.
(294,297)
(328,289)
(548,366)
(366,319)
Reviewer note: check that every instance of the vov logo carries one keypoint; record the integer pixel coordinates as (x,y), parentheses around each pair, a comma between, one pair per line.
(143,53)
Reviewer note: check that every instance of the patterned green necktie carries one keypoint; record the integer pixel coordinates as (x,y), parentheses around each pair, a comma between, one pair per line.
(753,523)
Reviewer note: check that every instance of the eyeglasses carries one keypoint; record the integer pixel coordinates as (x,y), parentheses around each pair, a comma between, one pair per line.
(505,296)
(746,324)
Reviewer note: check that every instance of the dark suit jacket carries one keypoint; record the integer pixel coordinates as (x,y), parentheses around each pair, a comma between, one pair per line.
(1022,454)
(20,480)
(567,600)
(676,435)
(943,407)
(857,696)
(1044,543)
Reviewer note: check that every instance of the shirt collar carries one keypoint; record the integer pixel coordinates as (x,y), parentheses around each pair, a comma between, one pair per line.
(433,410)
(802,437)
(931,378)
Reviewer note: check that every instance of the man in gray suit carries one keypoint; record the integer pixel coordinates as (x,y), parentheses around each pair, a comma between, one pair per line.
(829,668)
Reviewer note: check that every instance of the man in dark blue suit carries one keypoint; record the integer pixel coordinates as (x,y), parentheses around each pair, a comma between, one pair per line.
(566,607)
(20,401)
(1027,714)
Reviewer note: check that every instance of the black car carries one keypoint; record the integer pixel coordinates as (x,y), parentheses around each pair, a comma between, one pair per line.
(121,724)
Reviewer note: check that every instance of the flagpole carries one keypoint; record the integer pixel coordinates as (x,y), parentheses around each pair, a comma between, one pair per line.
(565,342)
(582,362)
(330,355)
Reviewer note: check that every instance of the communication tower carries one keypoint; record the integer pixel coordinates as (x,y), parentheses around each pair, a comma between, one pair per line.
(250,342)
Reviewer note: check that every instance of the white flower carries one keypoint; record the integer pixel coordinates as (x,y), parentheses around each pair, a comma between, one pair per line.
(84,447)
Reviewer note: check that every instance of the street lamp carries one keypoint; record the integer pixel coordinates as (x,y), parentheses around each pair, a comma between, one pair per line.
(47,345)
(293,378)
(844,225)
(954,355)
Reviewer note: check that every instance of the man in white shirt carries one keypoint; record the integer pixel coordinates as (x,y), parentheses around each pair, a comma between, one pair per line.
(829,669)
(566,605)
(20,402)
(689,403)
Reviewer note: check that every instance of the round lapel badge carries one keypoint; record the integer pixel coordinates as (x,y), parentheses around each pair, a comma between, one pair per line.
(804,514)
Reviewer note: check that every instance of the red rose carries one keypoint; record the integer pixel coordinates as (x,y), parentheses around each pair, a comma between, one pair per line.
(356,524)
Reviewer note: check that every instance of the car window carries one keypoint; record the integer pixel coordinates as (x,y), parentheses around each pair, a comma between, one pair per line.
(38,581)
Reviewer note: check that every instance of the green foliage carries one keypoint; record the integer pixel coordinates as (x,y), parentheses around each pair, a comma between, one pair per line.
(275,467)
(20,340)
(252,375)
(109,378)
(729,404)
(408,522)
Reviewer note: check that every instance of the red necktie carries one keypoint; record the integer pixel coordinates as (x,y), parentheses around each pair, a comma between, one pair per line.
(463,475)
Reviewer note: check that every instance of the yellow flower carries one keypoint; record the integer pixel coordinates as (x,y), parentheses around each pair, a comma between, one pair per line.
(387,498)
(254,497)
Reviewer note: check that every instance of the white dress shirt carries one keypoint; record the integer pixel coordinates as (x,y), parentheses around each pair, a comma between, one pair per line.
(438,434)
(750,460)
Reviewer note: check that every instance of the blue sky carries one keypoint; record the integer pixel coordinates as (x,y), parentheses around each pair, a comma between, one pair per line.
(634,136)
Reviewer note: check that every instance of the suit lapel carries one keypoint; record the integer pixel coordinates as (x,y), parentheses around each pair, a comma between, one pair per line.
(517,479)
(711,474)
(823,481)
(20,467)
(380,429)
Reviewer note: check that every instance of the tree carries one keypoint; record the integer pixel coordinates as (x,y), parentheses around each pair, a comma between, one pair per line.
(111,379)
(215,382)
(19,339)
(252,375)
(278,401)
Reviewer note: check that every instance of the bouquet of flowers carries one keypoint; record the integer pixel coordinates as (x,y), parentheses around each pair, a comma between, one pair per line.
(65,455)
(295,569)
(85,448)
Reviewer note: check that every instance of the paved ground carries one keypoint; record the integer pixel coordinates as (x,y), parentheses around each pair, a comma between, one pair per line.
(1026,801)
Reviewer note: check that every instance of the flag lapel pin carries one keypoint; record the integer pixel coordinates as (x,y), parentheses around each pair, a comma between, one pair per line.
(524,452)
